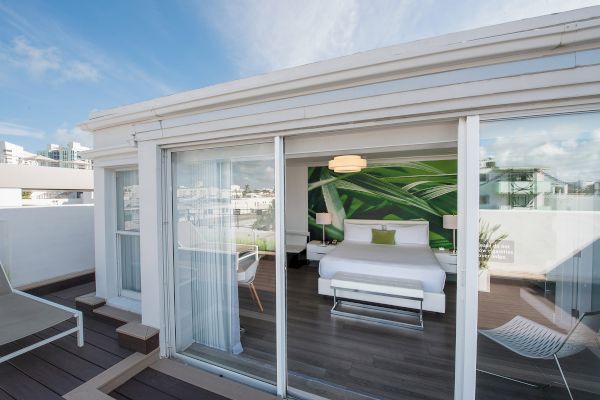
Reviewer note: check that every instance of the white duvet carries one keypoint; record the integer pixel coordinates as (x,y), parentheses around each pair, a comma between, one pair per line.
(406,261)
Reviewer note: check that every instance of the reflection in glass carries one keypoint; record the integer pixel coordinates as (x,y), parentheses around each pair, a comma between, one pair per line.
(128,227)
(223,214)
(539,276)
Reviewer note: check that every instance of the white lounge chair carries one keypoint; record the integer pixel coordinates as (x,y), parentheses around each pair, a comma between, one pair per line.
(22,314)
(532,340)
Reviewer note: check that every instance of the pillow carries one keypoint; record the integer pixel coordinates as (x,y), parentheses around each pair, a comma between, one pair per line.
(359,233)
(410,234)
(383,237)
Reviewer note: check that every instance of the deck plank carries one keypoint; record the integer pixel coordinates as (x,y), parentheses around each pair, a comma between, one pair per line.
(21,386)
(136,390)
(174,387)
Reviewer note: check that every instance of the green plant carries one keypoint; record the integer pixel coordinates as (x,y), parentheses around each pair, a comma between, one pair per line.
(25,195)
(487,242)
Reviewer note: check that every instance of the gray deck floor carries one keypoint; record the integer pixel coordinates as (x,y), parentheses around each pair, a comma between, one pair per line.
(59,367)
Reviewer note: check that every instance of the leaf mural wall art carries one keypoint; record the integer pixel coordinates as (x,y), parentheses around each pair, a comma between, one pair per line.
(423,190)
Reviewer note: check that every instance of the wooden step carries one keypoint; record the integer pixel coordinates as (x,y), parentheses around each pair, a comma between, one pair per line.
(116,316)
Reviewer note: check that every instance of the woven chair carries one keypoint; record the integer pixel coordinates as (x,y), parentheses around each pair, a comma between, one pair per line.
(532,340)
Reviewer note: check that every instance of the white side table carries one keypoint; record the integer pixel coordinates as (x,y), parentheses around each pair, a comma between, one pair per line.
(447,260)
(315,251)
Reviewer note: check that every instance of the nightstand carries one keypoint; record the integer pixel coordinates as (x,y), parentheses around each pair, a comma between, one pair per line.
(447,260)
(315,251)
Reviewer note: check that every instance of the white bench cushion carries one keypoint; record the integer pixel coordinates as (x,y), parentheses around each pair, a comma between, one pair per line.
(377,284)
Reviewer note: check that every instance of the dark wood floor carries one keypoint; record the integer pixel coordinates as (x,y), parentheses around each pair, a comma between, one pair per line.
(59,367)
(344,359)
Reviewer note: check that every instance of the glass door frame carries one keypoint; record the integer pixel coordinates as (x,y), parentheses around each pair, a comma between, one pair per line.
(468,238)
(168,264)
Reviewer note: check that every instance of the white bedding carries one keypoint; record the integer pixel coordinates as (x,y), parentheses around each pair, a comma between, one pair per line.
(400,261)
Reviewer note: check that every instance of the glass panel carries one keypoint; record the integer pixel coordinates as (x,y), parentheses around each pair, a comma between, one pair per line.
(128,227)
(363,349)
(539,286)
(129,247)
(128,201)
(224,264)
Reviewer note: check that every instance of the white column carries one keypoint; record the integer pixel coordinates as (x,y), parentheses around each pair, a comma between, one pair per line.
(468,258)
(101,225)
(280,275)
(151,246)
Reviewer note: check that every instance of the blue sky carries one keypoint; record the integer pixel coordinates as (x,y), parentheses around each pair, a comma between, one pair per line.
(61,59)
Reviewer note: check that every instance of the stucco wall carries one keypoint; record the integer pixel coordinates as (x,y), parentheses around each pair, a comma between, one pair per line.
(42,243)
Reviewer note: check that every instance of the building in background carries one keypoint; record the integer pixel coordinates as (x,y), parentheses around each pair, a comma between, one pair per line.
(69,156)
(11,153)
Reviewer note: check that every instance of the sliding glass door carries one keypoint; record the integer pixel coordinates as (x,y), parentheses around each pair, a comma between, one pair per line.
(223,212)
(539,261)
(128,233)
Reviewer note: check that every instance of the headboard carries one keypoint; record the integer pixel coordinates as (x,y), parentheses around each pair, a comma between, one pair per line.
(384,222)
(415,232)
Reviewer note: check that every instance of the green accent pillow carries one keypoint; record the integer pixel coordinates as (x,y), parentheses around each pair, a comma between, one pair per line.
(379,236)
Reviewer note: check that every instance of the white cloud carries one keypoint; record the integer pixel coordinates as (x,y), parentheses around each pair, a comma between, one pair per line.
(64,135)
(9,129)
(47,62)
(268,35)
(80,71)
(37,61)
(568,146)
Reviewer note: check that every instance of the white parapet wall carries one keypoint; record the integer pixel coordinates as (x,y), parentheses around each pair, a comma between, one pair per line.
(40,244)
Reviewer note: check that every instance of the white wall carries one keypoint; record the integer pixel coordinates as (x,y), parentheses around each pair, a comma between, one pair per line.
(45,178)
(42,243)
(10,197)
(296,198)
(543,240)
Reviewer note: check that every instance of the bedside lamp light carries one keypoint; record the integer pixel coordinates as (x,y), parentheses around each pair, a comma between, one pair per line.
(451,222)
(323,219)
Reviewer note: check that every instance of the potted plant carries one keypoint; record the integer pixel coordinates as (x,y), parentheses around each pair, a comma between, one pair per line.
(488,240)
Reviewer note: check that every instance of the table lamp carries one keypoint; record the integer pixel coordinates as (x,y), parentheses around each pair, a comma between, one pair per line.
(323,219)
(451,222)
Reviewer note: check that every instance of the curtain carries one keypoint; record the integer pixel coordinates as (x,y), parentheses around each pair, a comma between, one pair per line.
(206,291)
(130,262)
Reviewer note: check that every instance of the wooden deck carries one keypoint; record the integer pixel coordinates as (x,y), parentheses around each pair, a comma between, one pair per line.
(55,369)
(325,356)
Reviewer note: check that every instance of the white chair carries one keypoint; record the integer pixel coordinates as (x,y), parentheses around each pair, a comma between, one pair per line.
(246,272)
(532,340)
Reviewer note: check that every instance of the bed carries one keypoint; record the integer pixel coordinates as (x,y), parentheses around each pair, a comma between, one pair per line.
(410,258)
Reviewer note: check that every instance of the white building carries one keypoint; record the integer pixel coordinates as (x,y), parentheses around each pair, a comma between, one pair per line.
(10,153)
(68,156)
(427,100)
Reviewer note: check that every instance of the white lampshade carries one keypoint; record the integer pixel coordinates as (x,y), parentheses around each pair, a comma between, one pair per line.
(350,163)
(323,218)
(450,222)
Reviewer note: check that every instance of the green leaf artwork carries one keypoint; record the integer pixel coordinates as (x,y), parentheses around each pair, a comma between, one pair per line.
(423,190)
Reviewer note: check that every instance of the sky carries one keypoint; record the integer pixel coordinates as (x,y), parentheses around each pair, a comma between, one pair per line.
(62,59)
(566,146)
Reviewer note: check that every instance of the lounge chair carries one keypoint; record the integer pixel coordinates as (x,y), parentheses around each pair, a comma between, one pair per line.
(22,314)
(532,340)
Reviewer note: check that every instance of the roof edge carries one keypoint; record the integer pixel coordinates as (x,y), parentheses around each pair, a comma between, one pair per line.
(363,65)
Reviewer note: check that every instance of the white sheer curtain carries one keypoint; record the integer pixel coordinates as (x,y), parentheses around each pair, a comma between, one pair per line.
(128,228)
(206,291)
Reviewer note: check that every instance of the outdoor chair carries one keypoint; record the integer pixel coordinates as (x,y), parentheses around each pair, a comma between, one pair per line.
(532,340)
(22,314)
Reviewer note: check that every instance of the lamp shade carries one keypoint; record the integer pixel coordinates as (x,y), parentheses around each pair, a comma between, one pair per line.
(350,163)
(450,222)
(323,218)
